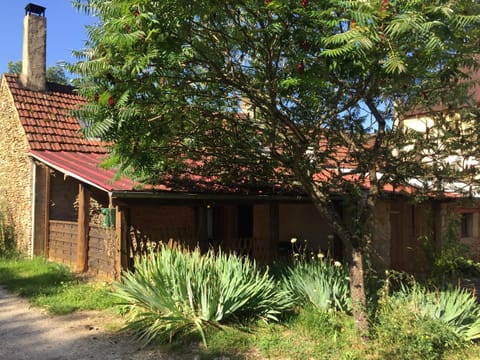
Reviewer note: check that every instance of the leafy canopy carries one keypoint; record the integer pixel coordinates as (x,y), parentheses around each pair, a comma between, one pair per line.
(167,80)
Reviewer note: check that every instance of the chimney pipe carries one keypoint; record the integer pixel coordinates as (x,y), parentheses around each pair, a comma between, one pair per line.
(34,60)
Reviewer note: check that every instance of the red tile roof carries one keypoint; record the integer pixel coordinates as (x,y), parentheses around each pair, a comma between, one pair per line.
(86,168)
(47,118)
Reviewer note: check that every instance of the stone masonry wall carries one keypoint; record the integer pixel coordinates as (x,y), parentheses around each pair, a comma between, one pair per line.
(15,170)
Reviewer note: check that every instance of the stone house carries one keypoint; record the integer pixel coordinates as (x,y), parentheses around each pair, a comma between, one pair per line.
(67,208)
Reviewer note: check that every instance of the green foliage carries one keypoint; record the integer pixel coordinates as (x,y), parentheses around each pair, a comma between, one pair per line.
(319,282)
(312,334)
(8,239)
(178,292)
(178,73)
(448,263)
(456,308)
(53,286)
(417,323)
(401,335)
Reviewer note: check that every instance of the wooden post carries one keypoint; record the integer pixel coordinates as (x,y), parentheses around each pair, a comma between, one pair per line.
(46,212)
(121,244)
(274,229)
(83,225)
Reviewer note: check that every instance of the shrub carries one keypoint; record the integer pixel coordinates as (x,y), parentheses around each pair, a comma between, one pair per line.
(456,308)
(402,334)
(176,292)
(415,323)
(320,282)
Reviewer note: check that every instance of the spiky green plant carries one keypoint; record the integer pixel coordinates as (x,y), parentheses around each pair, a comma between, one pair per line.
(178,292)
(456,308)
(319,282)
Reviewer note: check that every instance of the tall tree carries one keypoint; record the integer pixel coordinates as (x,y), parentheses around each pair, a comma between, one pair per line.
(168,78)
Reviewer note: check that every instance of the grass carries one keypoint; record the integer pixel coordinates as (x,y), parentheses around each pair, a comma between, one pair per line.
(53,286)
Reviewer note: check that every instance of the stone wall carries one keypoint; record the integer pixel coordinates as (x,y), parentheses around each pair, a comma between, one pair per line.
(16,170)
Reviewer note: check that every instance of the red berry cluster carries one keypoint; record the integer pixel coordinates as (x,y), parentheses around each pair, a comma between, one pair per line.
(301,67)
(304,3)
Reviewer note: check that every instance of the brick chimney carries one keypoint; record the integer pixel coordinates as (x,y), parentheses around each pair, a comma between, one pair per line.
(34,60)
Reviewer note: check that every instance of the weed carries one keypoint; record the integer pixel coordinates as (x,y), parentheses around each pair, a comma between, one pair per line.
(8,239)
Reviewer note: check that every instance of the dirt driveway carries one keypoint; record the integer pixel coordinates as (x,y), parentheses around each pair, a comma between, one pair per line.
(28,333)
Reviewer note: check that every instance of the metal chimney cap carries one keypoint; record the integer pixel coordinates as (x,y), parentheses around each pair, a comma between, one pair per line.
(35,9)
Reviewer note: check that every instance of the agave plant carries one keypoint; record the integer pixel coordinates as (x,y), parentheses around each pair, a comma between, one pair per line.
(457,308)
(177,292)
(319,282)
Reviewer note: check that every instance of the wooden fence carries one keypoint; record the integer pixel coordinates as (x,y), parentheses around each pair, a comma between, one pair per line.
(62,241)
(62,247)
(101,251)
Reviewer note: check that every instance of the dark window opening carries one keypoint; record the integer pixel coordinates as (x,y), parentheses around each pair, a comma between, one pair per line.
(245,221)
(467,225)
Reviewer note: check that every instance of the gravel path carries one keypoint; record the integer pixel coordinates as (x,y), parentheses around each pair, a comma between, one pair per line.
(29,333)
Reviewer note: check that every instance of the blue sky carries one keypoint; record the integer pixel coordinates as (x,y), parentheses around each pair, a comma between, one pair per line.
(65,30)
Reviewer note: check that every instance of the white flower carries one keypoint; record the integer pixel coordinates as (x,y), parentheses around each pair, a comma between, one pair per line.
(330,237)
(337,263)
(293,240)
(320,255)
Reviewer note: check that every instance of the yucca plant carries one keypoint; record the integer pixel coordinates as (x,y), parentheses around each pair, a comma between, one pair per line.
(457,308)
(320,282)
(178,292)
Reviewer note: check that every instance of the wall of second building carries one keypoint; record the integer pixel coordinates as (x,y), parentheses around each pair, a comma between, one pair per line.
(460,223)
(303,223)
(162,223)
(16,171)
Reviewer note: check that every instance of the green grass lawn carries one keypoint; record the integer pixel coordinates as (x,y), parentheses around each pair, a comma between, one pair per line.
(53,286)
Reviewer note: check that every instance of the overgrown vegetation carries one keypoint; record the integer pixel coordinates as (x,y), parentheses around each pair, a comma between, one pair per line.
(415,322)
(171,296)
(410,321)
(448,263)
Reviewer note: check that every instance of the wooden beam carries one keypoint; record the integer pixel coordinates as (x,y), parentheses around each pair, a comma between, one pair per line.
(274,229)
(83,225)
(121,243)
(46,212)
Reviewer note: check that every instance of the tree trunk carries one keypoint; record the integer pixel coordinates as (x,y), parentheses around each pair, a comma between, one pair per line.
(357,290)
(351,242)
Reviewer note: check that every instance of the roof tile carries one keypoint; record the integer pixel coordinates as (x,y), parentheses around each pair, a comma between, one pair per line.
(46,118)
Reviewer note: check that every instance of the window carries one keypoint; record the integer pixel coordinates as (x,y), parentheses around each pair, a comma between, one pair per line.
(245,221)
(466,225)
